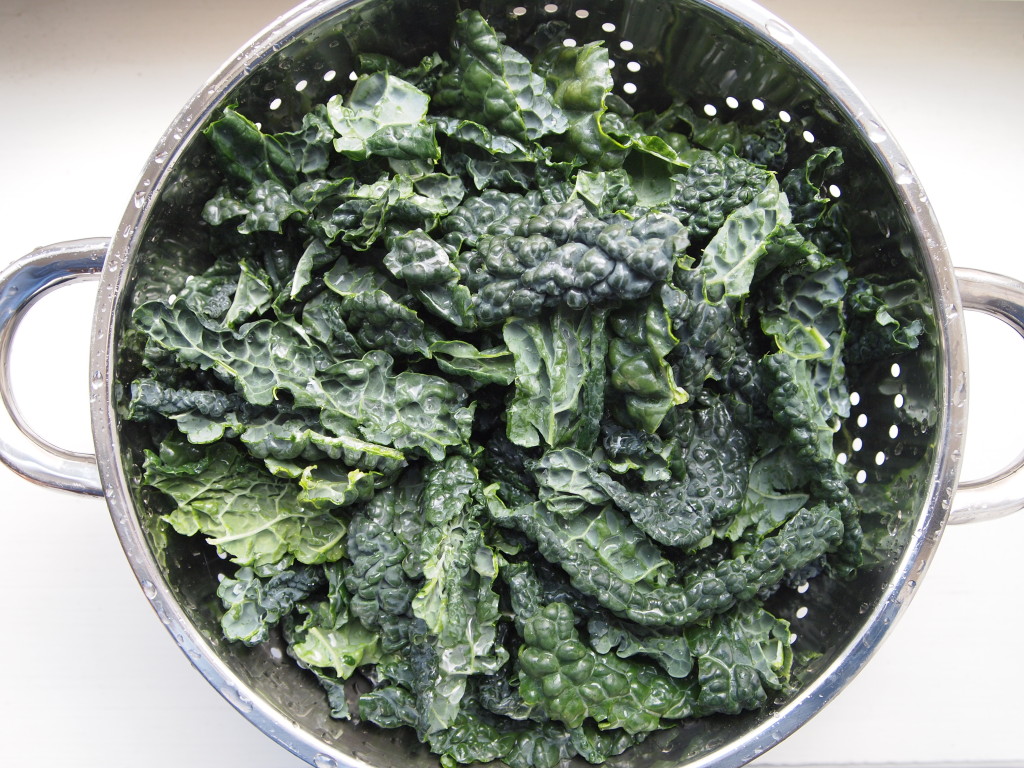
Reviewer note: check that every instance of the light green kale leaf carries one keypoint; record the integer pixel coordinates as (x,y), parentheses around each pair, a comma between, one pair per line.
(383,115)
(560,378)
(731,257)
(245,512)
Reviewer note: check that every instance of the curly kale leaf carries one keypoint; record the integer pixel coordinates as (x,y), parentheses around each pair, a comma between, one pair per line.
(571,682)
(250,515)
(582,548)
(426,268)
(740,656)
(607,192)
(495,85)
(886,319)
(684,513)
(279,435)
(680,513)
(533,256)
(487,366)
(250,156)
(338,651)
(627,450)
(711,333)
(639,340)
(252,605)
(712,188)
(376,320)
(263,207)
(808,433)
(358,214)
(354,397)
(584,81)
(804,314)
(560,378)
(457,602)
(381,538)
(671,651)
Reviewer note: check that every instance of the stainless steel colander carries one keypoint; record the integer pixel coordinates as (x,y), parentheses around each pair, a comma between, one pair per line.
(905,432)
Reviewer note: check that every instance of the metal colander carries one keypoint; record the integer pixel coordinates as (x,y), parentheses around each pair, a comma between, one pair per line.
(900,445)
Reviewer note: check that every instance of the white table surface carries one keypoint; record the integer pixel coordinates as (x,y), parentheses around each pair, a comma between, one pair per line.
(89,677)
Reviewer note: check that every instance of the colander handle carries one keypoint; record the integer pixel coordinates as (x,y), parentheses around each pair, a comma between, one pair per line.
(1003,492)
(22,285)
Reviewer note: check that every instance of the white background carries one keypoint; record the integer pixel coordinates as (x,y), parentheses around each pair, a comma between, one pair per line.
(89,677)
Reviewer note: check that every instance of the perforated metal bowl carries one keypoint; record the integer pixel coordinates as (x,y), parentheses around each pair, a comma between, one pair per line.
(903,438)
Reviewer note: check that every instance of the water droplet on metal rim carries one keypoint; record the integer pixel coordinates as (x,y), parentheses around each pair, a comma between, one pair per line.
(876,132)
(780,31)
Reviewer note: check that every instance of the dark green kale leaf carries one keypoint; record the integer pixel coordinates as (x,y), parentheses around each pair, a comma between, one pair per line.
(741,655)
(532,258)
(252,605)
(495,85)
(711,189)
(640,339)
(573,683)
(356,397)
(634,591)
(887,319)
(382,537)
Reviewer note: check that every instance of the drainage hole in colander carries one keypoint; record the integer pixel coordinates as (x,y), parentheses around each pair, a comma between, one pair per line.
(842,458)
(834,190)
(710,110)
(608,27)
(329,75)
(569,42)
(301,86)
(758,105)
(519,11)
(629,88)
(551,8)
(855,398)
(808,137)
(898,401)
(862,420)
(784,116)
(856,445)
(582,13)
(732,102)
(894,431)
(801,611)
(861,477)
(275,104)
(880,458)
